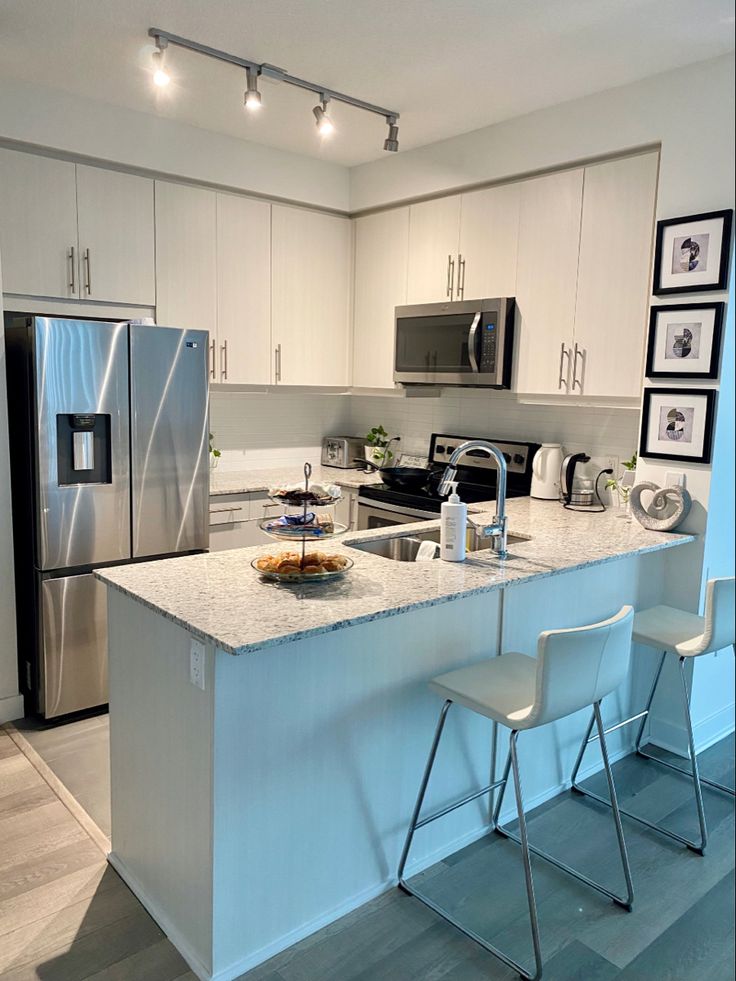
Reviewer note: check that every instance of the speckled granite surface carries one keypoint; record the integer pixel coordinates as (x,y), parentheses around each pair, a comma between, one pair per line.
(220,598)
(252,481)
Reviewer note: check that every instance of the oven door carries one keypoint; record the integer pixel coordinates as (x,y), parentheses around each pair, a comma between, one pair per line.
(459,343)
(372,514)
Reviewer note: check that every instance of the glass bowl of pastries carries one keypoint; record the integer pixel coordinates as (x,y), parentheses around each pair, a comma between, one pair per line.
(289,566)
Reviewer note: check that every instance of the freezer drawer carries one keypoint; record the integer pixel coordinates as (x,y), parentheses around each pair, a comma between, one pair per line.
(169,439)
(73,644)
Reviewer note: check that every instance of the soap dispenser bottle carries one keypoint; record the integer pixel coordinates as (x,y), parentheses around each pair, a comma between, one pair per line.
(453,525)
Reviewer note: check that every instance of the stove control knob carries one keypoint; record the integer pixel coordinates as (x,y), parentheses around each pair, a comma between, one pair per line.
(518,458)
(450,449)
(439,449)
(507,457)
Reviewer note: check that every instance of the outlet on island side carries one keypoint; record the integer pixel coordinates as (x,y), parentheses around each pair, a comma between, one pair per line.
(196,663)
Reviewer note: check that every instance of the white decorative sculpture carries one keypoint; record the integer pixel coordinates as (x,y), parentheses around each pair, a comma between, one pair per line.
(667,509)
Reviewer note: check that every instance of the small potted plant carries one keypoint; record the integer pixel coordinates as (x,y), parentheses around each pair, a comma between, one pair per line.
(376,448)
(215,454)
(622,486)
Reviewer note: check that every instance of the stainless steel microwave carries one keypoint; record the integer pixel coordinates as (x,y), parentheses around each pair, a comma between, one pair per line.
(466,342)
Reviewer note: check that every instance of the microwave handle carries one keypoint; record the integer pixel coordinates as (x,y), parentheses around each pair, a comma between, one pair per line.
(472,343)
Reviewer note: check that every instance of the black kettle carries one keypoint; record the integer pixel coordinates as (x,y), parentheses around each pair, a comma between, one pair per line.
(567,474)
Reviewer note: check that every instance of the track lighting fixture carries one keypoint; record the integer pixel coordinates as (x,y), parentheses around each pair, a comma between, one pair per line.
(252,97)
(325,126)
(391,142)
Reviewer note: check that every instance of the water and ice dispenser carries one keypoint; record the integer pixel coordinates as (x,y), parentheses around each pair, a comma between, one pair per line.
(83,448)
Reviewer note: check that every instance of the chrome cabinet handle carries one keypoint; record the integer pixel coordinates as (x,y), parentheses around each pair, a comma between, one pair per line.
(277,363)
(450,276)
(564,353)
(88,272)
(212,359)
(460,278)
(223,360)
(578,353)
(73,278)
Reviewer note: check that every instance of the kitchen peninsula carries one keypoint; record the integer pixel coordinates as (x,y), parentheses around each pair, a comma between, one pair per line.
(250,811)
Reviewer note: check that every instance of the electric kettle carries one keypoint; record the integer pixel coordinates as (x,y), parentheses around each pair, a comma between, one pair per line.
(569,494)
(546,468)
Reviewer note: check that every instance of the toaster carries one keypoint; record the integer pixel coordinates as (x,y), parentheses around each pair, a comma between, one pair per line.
(342,451)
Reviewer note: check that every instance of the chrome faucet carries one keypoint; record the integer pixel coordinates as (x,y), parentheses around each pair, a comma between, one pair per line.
(498,531)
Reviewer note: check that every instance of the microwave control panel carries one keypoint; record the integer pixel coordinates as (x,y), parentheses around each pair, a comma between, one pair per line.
(489,345)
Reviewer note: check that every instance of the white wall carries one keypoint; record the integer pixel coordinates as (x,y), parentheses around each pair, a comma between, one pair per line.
(11,704)
(53,119)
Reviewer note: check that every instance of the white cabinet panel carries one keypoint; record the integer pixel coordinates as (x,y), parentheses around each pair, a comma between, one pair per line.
(614,274)
(38,225)
(546,280)
(489,231)
(434,230)
(186,251)
(311,265)
(243,291)
(116,238)
(381,256)
(346,509)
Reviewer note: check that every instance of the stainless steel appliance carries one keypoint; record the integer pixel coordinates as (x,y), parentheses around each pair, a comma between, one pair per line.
(380,506)
(342,452)
(466,343)
(570,493)
(109,463)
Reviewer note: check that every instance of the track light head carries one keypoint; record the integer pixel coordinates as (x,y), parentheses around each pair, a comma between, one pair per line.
(252,96)
(161,77)
(391,143)
(325,126)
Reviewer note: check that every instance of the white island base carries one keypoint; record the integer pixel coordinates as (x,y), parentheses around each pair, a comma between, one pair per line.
(249,814)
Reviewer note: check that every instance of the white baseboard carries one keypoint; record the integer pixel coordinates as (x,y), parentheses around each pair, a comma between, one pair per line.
(707,732)
(11,708)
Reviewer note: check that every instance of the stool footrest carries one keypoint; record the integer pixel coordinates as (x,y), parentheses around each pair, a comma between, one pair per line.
(619,725)
(687,773)
(453,807)
(625,903)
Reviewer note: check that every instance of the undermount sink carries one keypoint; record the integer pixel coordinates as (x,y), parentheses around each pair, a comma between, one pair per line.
(406,547)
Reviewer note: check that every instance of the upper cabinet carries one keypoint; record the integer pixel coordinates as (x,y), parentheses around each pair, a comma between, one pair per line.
(115,215)
(434,230)
(186,260)
(614,276)
(310,282)
(489,232)
(243,339)
(74,231)
(381,259)
(546,281)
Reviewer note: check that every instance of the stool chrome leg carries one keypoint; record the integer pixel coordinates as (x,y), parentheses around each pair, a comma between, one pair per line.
(694,764)
(626,902)
(524,841)
(648,709)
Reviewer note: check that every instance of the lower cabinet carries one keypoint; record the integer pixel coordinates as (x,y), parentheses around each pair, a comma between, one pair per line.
(234,520)
(346,510)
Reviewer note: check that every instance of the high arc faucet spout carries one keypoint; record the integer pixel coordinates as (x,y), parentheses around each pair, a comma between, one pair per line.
(498,531)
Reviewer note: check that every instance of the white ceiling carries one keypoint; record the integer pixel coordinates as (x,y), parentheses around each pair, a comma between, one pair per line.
(448,66)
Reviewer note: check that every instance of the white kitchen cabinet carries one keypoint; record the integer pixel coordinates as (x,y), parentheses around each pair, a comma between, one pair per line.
(614,275)
(234,520)
(38,225)
(487,253)
(310,281)
(116,237)
(434,234)
(546,281)
(186,259)
(243,339)
(381,257)
(346,509)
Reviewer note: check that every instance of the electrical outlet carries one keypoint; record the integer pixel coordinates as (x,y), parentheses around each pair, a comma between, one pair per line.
(674,479)
(196,663)
(613,463)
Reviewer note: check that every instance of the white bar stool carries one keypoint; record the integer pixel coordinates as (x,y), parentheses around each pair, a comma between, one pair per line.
(573,669)
(683,635)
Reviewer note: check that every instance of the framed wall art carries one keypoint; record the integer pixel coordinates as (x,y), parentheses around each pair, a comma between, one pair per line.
(677,424)
(685,340)
(692,253)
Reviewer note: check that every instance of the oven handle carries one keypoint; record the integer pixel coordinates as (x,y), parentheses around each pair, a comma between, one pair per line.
(472,334)
(397,509)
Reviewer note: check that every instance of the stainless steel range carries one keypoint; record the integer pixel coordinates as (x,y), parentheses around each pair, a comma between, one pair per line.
(380,506)
(109,463)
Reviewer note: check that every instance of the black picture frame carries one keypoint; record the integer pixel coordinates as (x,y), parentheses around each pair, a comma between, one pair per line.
(715,354)
(710,396)
(722,283)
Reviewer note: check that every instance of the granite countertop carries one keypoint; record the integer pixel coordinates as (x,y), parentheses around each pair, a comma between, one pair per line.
(220,599)
(253,481)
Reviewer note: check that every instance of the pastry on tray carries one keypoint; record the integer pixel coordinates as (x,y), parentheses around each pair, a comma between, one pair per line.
(296,493)
(290,563)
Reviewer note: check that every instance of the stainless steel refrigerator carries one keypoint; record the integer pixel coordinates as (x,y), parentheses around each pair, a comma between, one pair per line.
(109,463)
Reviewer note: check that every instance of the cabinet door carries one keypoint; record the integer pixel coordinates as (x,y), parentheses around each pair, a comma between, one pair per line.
(381,252)
(243,290)
(434,229)
(614,274)
(310,297)
(38,225)
(489,232)
(116,236)
(186,246)
(546,279)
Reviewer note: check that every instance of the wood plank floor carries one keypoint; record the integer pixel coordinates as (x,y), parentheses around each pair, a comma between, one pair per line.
(66,916)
